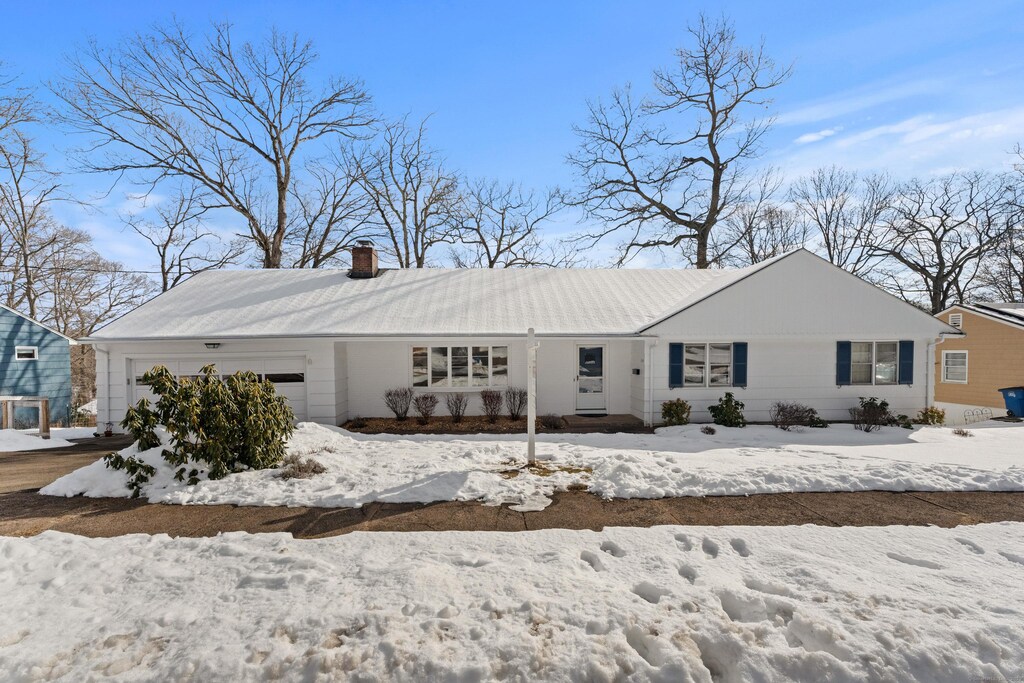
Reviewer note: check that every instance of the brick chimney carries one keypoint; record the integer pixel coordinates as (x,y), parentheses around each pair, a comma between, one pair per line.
(364,260)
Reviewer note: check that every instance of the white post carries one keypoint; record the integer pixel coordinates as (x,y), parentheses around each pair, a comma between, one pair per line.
(531,397)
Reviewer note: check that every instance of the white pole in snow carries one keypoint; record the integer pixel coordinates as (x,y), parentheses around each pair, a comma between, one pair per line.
(531,397)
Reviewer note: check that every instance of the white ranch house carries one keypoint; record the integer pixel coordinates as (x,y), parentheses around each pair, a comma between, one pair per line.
(611,341)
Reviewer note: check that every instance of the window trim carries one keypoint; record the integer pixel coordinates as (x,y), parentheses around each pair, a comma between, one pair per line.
(469,388)
(707,365)
(874,362)
(33,349)
(967,367)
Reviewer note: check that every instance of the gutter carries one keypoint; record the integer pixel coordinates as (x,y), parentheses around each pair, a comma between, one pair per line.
(375,337)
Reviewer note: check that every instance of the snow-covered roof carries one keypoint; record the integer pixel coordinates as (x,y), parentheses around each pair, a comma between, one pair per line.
(427,301)
(1008,312)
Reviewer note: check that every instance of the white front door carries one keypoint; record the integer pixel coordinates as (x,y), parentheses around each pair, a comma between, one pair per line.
(590,382)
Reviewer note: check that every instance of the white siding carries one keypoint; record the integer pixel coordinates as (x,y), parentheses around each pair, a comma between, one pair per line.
(790,369)
(378,365)
(791,314)
(113,388)
(800,296)
(340,382)
(637,383)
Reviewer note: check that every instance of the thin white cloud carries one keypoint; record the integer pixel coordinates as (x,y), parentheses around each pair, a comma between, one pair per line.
(857,100)
(924,144)
(807,138)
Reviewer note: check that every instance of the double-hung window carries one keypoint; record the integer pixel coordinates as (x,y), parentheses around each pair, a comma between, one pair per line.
(459,367)
(707,365)
(712,364)
(874,362)
(954,367)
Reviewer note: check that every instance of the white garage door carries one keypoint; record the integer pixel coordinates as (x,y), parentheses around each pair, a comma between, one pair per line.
(288,375)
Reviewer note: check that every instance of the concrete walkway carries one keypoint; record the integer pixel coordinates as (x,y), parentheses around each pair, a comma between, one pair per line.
(23,512)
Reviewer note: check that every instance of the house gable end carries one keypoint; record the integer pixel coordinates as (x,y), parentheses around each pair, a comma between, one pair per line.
(800,295)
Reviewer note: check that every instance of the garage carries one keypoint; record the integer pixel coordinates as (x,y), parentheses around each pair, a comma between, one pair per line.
(287,373)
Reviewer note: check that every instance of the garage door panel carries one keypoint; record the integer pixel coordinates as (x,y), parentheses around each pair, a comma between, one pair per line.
(288,375)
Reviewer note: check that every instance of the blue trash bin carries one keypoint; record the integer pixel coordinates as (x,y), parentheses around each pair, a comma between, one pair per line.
(1013,397)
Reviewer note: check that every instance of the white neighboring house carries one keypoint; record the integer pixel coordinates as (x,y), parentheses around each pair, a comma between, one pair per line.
(793,328)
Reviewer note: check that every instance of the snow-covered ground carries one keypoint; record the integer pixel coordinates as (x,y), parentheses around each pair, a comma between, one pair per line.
(14,440)
(675,461)
(668,603)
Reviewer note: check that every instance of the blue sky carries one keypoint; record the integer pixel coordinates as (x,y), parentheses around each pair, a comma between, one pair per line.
(913,88)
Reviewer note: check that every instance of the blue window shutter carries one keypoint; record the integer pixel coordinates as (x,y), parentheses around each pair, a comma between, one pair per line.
(675,365)
(906,362)
(844,358)
(739,364)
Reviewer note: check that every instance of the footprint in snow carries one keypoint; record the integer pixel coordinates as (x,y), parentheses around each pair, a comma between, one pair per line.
(974,547)
(1016,559)
(684,541)
(710,548)
(688,573)
(915,561)
(740,546)
(613,549)
(649,592)
(591,558)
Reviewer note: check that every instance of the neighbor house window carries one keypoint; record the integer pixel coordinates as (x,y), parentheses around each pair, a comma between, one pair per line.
(459,367)
(874,362)
(954,367)
(26,352)
(707,365)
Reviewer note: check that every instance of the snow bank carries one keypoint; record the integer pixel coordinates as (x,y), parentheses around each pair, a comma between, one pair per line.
(12,440)
(664,604)
(676,461)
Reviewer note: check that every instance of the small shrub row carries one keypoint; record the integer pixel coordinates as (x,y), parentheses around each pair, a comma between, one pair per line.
(868,416)
(492,402)
(728,412)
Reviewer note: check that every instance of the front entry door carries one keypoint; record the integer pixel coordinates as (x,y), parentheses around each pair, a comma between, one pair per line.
(590,382)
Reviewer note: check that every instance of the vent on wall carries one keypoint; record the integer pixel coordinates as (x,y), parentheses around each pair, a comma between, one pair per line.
(956,320)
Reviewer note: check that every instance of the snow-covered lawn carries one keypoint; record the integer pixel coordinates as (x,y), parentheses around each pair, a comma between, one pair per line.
(12,440)
(668,603)
(675,461)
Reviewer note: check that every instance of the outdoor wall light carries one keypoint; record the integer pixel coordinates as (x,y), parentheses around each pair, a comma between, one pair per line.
(213,345)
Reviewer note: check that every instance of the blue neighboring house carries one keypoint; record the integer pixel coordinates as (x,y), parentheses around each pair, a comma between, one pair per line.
(35,361)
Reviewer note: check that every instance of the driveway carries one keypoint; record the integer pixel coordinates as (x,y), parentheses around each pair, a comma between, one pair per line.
(23,512)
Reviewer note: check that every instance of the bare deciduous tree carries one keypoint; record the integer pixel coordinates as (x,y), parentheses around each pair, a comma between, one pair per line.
(414,198)
(1002,274)
(502,227)
(666,171)
(84,291)
(334,213)
(183,245)
(933,239)
(843,211)
(27,231)
(231,119)
(760,227)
